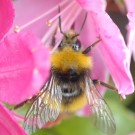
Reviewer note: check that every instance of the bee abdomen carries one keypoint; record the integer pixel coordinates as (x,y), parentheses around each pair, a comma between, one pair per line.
(70,91)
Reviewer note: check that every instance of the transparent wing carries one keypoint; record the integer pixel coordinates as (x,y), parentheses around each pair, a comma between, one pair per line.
(45,108)
(104,119)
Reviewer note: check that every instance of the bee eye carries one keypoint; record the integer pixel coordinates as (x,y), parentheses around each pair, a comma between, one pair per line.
(62,44)
(77,45)
(78,42)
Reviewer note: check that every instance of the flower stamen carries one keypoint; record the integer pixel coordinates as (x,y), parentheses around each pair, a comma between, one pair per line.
(39,17)
(17,29)
(48,35)
(67,22)
(63,11)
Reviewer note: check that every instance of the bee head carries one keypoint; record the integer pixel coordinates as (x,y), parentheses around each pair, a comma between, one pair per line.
(70,39)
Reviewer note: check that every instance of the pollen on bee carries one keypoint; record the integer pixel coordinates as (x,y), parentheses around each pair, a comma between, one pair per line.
(49,22)
(67,58)
(17,29)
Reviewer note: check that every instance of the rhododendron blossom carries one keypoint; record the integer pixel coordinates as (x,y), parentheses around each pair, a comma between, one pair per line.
(24,67)
(131,26)
(8,124)
(6,16)
(110,55)
(25,62)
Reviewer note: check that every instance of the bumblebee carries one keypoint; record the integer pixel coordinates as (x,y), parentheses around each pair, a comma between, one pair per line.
(69,87)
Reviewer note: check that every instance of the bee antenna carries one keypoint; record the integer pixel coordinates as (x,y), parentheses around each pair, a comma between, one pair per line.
(60,23)
(81,26)
(83,23)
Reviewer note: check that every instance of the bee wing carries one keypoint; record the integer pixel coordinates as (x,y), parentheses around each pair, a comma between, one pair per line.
(104,119)
(45,108)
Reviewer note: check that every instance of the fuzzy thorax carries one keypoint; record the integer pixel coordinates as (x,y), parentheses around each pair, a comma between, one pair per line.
(67,58)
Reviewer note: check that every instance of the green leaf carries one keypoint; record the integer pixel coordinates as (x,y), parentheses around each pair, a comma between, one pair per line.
(72,126)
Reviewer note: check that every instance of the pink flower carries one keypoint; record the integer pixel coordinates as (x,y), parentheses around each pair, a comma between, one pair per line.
(111,55)
(24,61)
(24,67)
(6,16)
(113,49)
(131,26)
(8,125)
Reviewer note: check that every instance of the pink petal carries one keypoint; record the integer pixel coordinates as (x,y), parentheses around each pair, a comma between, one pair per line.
(6,16)
(131,26)
(34,10)
(24,67)
(8,125)
(113,49)
(87,37)
(96,5)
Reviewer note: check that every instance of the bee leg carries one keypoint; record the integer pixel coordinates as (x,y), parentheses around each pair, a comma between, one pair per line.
(88,49)
(19,105)
(104,84)
(107,86)
(23,103)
